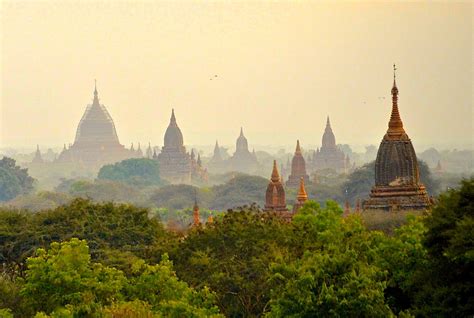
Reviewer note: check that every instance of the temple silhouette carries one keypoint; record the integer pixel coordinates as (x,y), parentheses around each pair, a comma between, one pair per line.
(397,177)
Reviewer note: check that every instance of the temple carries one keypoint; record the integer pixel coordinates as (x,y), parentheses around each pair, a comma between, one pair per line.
(275,200)
(298,169)
(301,197)
(176,165)
(329,156)
(243,160)
(397,180)
(96,141)
(37,158)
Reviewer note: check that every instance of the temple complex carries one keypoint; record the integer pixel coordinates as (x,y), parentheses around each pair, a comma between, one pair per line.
(329,156)
(298,169)
(176,165)
(301,197)
(96,141)
(275,200)
(243,160)
(397,180)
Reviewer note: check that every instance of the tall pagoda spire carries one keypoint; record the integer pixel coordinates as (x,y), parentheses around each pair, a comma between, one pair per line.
(298,148)
(96,94)
(196,217)
(275,174)
(395,125)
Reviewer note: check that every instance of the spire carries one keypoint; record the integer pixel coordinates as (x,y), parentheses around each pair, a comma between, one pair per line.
(298,149)
(328,123)
(275,175)
(302,196)
(173,118)
(199,162)
(96,94)
(196,218)
(395,125)
(192,154)
(241,132)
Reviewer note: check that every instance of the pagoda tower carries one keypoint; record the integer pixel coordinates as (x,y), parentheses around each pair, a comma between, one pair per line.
(298,168)
(175,163)
(243,160)
(329,156)
(275,196)
(37,158)
(397,179)
(301,197)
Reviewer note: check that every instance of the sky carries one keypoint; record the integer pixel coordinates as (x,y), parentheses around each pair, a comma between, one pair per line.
(281,68)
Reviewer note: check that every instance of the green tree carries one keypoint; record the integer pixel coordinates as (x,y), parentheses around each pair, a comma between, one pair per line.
(13,180)
(137,172)
(232,256)
(64,275)
(337,274)
(104,225)
(239,191)
(448,283)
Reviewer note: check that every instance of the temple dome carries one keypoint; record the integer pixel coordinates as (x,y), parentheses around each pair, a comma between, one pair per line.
(96,126)
(173,135)
(329,140)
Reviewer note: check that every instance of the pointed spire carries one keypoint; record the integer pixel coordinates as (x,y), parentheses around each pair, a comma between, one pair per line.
(302,196)
(298,149)
(275,174)
(395,125)
(132,148)
(199,163)
(241,131)
(196,218)
(192,154)
(96,94)
(328,123)
(173,118)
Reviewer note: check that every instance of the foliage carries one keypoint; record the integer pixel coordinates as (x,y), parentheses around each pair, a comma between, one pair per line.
(64,282)
(104,226)
(240,190)
(448,283)
(336,275)
(232,257)
(136,172)
(13,180)
(64,275)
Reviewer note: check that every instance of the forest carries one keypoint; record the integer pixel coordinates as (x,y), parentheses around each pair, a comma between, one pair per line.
(99,259)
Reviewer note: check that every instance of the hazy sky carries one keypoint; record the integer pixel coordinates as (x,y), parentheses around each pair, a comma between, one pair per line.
(282,68)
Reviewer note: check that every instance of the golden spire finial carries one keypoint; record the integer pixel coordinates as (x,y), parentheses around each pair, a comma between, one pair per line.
(302,196)
(395,125)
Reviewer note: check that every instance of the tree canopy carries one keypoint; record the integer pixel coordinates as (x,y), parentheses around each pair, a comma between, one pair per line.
(13,180)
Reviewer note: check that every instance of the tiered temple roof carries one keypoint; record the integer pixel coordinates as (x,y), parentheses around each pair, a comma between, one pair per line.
(397,180)
(96,141)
